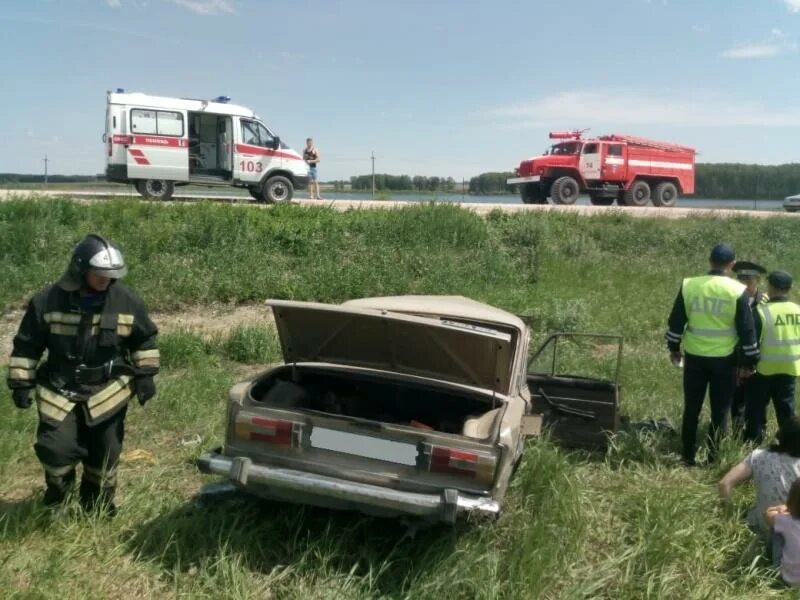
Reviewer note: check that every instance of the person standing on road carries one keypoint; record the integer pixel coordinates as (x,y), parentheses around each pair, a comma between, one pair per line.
(778,328)
(749,273)
(312,157)
(709,317)
(101,350)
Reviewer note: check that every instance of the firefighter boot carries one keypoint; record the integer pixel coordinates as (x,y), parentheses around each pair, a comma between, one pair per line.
(58,486)
(97,498)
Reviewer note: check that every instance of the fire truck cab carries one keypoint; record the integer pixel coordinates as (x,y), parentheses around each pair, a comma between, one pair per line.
(631,170)
(157,143)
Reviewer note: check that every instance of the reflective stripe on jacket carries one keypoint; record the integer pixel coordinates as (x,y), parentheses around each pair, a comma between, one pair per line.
(710,303)
(780,338)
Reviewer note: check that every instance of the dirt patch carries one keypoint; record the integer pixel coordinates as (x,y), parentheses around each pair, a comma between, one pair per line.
(207,321)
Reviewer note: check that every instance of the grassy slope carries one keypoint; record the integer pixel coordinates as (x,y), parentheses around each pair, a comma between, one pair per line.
(631,524)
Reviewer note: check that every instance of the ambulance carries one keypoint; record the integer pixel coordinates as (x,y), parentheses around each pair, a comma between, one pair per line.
(158,143)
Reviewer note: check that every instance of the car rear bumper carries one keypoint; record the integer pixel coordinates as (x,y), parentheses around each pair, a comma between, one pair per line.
(530,179)
(310,488)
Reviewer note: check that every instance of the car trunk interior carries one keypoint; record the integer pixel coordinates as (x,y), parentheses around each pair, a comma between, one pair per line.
(378,399)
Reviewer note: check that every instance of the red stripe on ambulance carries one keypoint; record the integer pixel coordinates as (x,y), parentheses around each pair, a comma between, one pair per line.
(258,150)
(138,156)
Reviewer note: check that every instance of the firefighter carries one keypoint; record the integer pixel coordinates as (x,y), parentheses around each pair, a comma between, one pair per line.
(749,273)
(778,327)
(101,351)
(709,317)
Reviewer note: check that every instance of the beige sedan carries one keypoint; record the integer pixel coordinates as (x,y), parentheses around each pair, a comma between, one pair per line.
(408,405)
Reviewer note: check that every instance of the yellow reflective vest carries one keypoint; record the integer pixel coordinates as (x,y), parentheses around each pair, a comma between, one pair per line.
(710,303)
(780,338)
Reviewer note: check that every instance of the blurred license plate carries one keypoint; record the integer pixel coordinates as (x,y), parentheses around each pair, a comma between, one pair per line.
(364,445)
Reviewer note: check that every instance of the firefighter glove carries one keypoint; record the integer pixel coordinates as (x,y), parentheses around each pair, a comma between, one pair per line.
(22,397)
(145,389)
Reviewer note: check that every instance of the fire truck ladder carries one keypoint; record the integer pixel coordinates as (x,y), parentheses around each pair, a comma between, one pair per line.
(646,143)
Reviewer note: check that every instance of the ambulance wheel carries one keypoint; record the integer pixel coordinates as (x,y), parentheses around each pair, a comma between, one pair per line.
(600,200)
(638,194)
(278,189)
(565,190)
(157,189)
(665,194)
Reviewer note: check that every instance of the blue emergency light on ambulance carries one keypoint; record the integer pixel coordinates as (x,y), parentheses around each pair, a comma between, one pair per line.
(157,143)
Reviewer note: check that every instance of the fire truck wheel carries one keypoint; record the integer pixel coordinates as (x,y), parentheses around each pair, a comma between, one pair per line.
(278,189)
(638,194)
(665,194)
(157,189)
(565,190)
(600,200)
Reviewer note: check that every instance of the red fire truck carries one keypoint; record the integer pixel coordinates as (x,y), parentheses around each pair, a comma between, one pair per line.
(631,170)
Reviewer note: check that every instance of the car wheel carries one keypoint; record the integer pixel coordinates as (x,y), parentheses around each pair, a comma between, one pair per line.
(565,190)
(156,189)
(278,189)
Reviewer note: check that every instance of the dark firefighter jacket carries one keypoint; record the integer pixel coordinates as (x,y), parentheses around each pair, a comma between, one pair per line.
(113,338)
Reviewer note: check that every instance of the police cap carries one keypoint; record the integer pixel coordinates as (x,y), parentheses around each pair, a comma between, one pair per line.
(745,268)
(722,254)
(780,280)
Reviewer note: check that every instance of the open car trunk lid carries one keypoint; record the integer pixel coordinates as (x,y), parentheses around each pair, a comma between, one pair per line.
(389,341)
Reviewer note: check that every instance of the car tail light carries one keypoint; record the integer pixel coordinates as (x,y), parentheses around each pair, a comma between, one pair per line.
(278,432)
(479,466)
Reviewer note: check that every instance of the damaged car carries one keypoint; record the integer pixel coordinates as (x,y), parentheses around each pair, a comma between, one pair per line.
(407,405)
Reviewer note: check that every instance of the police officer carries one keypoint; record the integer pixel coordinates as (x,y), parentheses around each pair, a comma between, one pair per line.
(101,351)
(778,327)
(709,317)
(749,273)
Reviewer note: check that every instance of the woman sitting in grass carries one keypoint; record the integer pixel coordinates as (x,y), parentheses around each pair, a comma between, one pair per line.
(772,470)
(785,522)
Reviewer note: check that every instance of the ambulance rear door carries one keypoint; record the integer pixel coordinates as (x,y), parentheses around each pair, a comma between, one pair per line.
(159,144)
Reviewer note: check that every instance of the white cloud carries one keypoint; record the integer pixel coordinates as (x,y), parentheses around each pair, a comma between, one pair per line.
(699,29)
(792,5)
(621,108)
(777,44)
(114,3)
(207,7)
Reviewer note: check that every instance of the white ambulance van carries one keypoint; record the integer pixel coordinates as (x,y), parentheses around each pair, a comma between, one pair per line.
(158,143)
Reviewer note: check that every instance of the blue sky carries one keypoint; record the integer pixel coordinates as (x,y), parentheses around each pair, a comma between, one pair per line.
(437,87)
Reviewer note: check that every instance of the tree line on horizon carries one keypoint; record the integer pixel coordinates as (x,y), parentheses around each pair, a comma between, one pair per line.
(713,180)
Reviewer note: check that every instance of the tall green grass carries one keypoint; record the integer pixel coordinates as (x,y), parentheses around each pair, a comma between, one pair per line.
(631,523)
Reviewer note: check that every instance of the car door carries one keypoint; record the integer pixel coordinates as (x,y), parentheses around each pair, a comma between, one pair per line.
(573,380)
(255,152)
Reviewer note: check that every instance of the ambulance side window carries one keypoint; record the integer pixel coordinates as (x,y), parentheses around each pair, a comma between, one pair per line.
(266,138)
(143,121)
(250,133)
(169,123)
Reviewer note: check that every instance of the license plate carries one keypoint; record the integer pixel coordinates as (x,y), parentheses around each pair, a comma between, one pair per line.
(364,445)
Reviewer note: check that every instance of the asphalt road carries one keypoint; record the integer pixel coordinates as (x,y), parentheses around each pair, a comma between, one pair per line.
(481,209)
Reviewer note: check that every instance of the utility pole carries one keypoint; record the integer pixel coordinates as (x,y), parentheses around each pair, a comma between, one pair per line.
(45,168)
(373,175)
